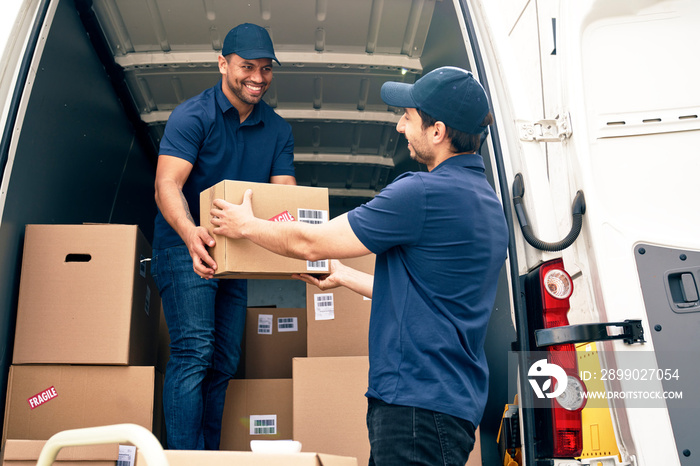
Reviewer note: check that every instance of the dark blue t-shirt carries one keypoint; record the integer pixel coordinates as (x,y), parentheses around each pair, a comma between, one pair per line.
(440,239)
(206,131)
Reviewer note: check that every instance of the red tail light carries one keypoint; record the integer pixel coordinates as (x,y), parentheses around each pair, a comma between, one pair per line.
(556,288)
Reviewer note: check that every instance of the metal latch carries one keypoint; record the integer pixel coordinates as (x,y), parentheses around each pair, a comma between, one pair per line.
(549,130)
(632,332)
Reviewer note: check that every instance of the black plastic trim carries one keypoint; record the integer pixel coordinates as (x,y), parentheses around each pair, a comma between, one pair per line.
(633,332)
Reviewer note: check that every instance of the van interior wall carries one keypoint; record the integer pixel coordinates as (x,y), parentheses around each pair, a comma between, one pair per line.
(77,160)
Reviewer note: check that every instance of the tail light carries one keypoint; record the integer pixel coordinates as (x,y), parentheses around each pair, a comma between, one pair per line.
(559,428)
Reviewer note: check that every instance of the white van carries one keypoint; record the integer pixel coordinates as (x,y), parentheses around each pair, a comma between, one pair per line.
(594,154)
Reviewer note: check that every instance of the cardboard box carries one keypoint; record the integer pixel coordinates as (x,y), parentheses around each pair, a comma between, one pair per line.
(273,337)
(241,458)
(26,453)
(256,409)
(43,400)
(338,319)
(85,297)
(330,407)
(240,258)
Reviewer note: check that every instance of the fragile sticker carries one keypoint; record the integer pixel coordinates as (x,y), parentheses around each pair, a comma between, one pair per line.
(42,397)
(283,217)
(323,306)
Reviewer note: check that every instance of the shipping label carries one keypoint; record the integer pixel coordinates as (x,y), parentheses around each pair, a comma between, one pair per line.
(264,324)
(323,306)
(287,324)
(263,424)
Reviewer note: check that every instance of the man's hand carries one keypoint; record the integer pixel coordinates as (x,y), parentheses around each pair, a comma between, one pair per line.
(229,219)
(197,242)
(327,281)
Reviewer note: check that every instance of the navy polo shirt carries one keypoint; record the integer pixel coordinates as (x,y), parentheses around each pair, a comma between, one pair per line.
(440,239)
(206,131)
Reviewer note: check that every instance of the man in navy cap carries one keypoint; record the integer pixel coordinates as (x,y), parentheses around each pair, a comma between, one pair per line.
(440,238)
(226,132)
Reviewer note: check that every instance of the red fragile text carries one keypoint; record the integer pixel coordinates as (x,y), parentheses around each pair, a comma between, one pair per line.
(43,397)
(283,217)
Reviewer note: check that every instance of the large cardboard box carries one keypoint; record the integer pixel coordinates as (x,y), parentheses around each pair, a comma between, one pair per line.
(256,409)
(240,258)
(26,453)
(273,337)
(45,399)
(330,407)
(338,319)
(242,458)
(86,297)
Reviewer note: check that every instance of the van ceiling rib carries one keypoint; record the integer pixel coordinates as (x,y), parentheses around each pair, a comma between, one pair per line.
(335,56)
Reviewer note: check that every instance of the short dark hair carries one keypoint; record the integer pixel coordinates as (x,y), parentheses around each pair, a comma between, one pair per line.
(461,141)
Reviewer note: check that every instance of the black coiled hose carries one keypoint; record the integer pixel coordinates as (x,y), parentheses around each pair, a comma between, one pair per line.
(578,208)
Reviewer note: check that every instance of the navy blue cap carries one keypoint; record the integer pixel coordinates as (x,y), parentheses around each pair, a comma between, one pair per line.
(249,41)
(448,94)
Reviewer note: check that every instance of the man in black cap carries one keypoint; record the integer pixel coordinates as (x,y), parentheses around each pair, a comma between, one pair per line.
(440,238)
(226,132)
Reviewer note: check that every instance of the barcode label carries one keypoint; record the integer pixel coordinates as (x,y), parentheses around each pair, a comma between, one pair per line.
(315,217)
(287,324)
(265,324)
(127,455)
(317,266)
(324,307)
(263,424)
(312,216)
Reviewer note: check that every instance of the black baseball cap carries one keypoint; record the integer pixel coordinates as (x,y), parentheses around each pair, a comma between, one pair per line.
(249,41)
(448,94)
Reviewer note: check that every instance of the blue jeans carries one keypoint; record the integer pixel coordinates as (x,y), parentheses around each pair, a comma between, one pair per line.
(402,436)
(206,321)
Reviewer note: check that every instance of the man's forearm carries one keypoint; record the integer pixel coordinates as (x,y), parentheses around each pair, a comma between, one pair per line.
(175,209)
(291,239)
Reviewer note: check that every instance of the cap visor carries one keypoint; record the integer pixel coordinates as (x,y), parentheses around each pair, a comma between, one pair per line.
(255,54)
(397,94)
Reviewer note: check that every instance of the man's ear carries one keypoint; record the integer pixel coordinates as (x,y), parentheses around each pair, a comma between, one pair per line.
(438,132)
(223,64)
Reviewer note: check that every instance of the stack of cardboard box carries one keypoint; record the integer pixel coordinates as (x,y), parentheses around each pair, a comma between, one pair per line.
(86,335)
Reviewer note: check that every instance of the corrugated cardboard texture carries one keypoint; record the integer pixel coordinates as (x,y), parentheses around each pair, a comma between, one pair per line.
(87,396)
(240,258)
(259,397)
(26,453)
(240,458)
(85,297)
(269,355)
(330,406)
(347,333)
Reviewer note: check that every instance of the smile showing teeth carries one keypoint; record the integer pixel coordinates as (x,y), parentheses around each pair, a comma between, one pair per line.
(253,88)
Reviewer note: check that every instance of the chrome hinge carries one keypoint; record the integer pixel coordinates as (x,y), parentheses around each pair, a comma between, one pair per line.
(550,130)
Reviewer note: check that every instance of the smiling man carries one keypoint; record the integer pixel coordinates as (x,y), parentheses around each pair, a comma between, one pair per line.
(440,238)
(226,132)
